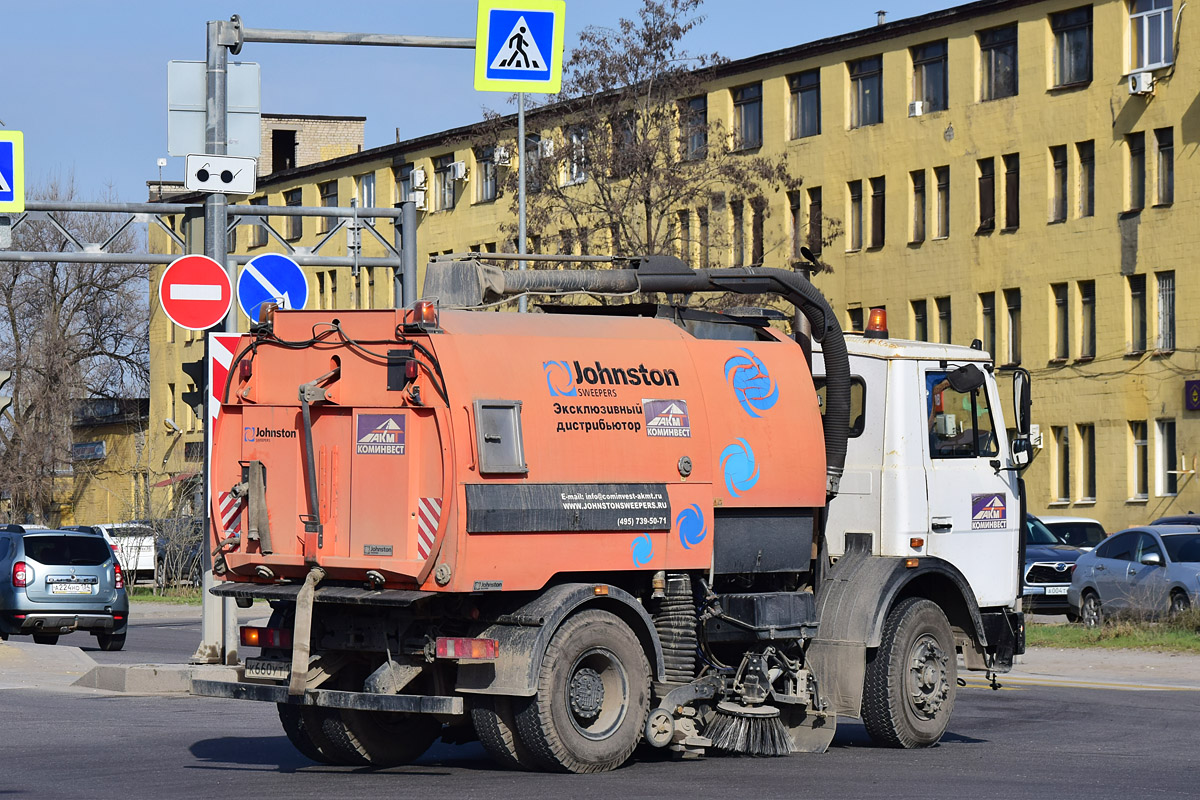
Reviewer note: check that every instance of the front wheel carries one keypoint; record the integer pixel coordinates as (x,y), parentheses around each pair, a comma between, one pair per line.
(1179,604)
(912,678)
(1090,611)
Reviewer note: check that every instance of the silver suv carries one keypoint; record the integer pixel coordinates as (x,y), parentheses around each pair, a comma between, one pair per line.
(53,582)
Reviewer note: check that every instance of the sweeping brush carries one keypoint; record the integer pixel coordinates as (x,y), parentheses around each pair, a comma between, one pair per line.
(749,730)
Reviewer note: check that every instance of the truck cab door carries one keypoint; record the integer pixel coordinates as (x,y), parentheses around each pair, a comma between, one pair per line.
(974,509)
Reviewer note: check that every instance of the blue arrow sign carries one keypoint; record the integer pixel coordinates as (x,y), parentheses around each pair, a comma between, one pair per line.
(271,278)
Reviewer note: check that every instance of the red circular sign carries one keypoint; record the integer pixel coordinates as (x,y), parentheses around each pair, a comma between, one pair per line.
(195,292)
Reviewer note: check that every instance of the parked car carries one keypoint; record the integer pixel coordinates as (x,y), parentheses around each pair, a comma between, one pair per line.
(134,545)
(178,555)
(1179,519)
(1147,571)
(1048,565)
(1078,532)
(58,581)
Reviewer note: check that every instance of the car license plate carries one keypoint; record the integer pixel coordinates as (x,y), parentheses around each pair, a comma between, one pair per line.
(268,669)
(1056,589)
(70,588)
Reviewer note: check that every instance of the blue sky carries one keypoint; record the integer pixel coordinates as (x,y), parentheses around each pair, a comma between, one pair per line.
(86,81)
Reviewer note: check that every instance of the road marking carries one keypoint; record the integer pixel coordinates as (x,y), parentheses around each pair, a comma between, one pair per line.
(195,291)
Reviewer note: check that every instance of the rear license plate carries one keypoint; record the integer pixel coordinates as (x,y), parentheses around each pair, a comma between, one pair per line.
(70,588)
(1056,589)
(268,669)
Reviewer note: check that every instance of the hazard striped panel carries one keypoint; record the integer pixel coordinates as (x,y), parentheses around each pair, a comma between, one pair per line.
(429,513)
(231,513)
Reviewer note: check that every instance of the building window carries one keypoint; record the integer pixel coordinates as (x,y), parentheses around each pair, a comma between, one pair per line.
(1168,457)
(702,219)
(362,287)
(816,222)
(918,205)
(758,207)
(1137,313)
(944,327)
(806,103)
(1087,319)
(929,83)
(854,317)
(1058,183)
(737,211)
(797,223)
(321,301)
(942,175)
(856,215)
(987,309)
(1087,178)
(294,225)
(684,223)
(696,127)
(404,183)
(485,174)
(1164,138)
(998,59)
(747,117)
(1072,46)
(1012,303)
(443,181)
(920,313)
(258,234)
(1166,310)
(329,199)
(1140,468)
(1150,33)
(987,195)
(1087,462)
(578,137)
(283,149)
(878,211)
(1062,319)
(1136,143)
(364,186)
(1012,192)
(533,154)
(1062,465)
(866,91)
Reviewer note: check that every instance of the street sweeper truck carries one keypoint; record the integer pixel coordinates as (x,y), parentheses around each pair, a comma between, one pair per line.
(571,532)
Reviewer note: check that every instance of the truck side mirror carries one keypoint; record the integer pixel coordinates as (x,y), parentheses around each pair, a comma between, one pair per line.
(1022,401)
(1022,452)
(965,379)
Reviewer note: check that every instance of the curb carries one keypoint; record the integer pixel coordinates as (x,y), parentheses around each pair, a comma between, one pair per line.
(152,678)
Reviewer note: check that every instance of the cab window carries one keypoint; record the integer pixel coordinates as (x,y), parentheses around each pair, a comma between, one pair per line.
(858,403)
(960,423)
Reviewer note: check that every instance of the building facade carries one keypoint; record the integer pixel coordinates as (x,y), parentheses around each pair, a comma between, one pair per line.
(1020,172)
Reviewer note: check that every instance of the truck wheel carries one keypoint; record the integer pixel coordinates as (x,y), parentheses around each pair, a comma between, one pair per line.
(912,677)
(379,738)
(300,733)
(110,642)
(592,698)
(496,724)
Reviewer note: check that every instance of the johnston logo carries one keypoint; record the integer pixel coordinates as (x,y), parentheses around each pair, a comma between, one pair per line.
(987,512)
(629,375)
(253,434)
(380,435)
(667,418)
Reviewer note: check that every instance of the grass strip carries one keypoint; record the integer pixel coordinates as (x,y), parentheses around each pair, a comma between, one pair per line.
(1180,634)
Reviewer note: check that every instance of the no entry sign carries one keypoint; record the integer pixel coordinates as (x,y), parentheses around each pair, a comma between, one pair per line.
(195,292)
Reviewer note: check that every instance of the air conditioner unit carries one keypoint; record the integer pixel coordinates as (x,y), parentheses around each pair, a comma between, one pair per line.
(502,156)
(458,170)
(1141,83)
(418,179)
(546,148)
(916,108)
(418,197)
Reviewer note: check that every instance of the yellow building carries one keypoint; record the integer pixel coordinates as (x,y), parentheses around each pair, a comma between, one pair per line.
(110,471)
(1004,171)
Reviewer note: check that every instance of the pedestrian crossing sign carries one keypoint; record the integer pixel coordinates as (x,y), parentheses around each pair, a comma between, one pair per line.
(12,171)
(519,46)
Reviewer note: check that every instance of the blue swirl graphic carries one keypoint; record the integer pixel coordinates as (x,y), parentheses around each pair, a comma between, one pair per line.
(752,384)
(642,549)
(692,529)
(741,471)
(559,379)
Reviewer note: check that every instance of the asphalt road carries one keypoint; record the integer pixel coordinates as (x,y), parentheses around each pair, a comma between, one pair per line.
(1032,742)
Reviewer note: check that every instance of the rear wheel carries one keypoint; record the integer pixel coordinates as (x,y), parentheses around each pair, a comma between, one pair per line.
(45,638)
(496,724)
(300,733)
(1179,603)
(110,642)
(379,738)
(592,699)
(1090,611)
(912,678)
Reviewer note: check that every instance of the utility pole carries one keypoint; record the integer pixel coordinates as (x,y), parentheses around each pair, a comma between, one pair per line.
(523,302)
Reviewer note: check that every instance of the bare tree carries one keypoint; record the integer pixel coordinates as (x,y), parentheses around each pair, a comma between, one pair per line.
(67,331)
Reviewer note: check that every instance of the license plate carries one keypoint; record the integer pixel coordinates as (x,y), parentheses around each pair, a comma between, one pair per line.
(70,588)
(268,669)
(1056,589)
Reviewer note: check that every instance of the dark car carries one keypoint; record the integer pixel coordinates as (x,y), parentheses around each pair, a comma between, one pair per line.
(1178,519)
(1081,532)
(1049,563)
(178,554)
(58,581)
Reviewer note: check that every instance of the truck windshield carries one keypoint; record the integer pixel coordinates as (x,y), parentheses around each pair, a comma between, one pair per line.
(960,424)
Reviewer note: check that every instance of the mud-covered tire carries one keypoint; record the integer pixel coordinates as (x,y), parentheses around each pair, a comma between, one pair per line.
(45,638)
(912,677)
(300,733)
(110,642)
(592,698)
(495,723)
(378,738)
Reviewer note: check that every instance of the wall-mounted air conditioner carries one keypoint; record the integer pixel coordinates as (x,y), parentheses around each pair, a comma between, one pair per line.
(418,179)
(1141,83)
(458,170)
(418,197)
(916,108)
(502,156)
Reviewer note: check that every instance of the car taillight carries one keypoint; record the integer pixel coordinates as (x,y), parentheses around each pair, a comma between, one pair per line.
(475,649)
(265,637)
(22,575)
(120,579)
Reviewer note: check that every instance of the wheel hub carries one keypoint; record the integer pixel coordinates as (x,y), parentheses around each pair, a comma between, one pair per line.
(586,693)
(929,685)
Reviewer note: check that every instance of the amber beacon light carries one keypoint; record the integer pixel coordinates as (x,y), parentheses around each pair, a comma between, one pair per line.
(877,324)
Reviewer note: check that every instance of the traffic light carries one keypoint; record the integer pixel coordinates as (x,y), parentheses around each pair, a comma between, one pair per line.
(6,398)
(194,370)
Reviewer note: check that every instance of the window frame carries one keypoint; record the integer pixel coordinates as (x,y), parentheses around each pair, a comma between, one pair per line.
(989,53)
(866,74)
(986,171)
(1086,153)
(695,127)
(1062,322)
(933,91)
(878,212)
(919,205)
(1140,25)
(1136,285)
(854,196)
(1059,171)
(1066,26)
(747,116)
(805,91)
(1087,320)
(1167,464)
(1165,297)
(486,177)
(294,226)
(942,178)
(1164,145)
